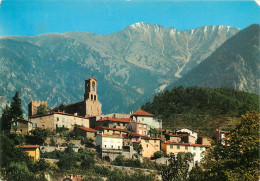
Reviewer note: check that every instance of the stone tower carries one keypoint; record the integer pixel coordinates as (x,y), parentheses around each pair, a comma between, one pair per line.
(92,105)
(33,106)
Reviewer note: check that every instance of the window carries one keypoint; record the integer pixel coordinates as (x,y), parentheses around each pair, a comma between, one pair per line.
(142,119)
(112,140)
(171,146)
(201,155)
(118,147)
(194,147)
(118,140)
(154,141)
(63,120)
(105,146)
(201,148)
(178,147)
(144,126)
(35,125)
(111,146)
(43,126)
(105,139)
(57,119)
(147,141)
(17,123)
(146,145)
(59,125)
(91,97)
(66,126)
(140,125)
(140,131)
(30,124)
(194,154)
(14,123)
(95,98)
(68,120)
(186,147)
(144,132)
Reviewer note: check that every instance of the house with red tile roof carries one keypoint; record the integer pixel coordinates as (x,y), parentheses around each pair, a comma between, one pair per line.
(32,150)
(121,123)
(86,132)
(109,146)
(196,149)
(188,131)
(142,116)
(21,126)
(138,127)
(57,120)
(220,135)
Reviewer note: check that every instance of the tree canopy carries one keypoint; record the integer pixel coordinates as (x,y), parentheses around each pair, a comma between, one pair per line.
(238,159)
(13,112)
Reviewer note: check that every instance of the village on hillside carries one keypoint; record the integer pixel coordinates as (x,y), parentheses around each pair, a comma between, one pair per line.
(138,135)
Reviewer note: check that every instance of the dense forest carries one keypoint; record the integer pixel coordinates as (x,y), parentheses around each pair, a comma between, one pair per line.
(203,109)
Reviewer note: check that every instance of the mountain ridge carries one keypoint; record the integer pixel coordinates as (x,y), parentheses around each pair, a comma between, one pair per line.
(129,65)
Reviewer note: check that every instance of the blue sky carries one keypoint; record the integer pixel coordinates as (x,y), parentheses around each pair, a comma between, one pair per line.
(33,17)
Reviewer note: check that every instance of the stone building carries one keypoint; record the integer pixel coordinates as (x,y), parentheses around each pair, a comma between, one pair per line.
(173,137)
(33,107)
(90,106)
(204,140)
(86,132)
(58,120)
(21,126)
(121,123)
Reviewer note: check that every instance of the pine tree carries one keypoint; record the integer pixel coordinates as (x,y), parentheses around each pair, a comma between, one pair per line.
(6,119)
(16,107)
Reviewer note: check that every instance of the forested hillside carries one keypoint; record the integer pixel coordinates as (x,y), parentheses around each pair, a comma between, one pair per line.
(203,109)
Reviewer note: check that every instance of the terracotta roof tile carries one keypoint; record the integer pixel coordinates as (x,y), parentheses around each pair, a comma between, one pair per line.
(204,137)
(87,129)
(123,120)
(175,135)
(141,112)
(30,146)
(110,135)
(116,129)
(21,120)
(186,144)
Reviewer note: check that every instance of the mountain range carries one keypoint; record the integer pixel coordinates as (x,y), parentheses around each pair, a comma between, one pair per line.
(129,65)
(235,64)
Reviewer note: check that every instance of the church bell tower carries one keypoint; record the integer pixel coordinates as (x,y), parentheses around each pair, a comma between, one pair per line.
(92,105)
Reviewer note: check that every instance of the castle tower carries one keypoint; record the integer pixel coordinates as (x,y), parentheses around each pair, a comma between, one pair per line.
(92,106)
(33,107)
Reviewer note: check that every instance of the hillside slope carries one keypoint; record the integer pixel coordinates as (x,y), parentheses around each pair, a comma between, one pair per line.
(235,64)
(129,65)
(203,109)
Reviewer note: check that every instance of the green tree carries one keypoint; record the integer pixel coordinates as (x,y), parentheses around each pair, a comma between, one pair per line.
(9,153)
(239,158)
(19,171)
(67,161)
(42,110)
(16,106)
(38,136)
(158,154)
(87,161)
(178,167)
(6,119)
